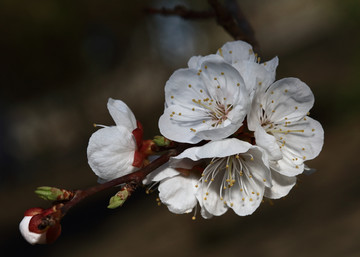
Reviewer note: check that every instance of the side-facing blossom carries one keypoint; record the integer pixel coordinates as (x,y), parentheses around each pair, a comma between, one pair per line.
(233,175)
(113,151)
(209,102)
(279,118)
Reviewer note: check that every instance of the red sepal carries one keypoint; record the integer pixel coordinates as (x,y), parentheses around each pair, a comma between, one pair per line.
(138,159)
(33,211)
(35,221)
(53,233)
(138,134)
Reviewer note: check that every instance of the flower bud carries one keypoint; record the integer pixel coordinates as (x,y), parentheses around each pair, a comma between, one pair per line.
(161,141)
(53,193)
(120,197)
(40,226)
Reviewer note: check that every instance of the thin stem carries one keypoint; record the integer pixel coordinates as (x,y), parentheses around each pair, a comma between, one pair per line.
(135,178)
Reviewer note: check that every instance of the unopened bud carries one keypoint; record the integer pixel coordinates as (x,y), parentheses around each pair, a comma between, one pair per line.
(38,227)
(120,198)
(161,141)
(53,193)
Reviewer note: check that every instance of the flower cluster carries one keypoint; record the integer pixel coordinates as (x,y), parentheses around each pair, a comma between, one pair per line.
(250,135)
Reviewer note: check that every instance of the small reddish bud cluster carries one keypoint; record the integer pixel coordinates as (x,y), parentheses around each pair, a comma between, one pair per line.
(144,147)
(41,226)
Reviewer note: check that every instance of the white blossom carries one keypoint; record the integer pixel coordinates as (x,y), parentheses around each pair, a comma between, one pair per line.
(111,149)
(279,118)
(209,102)
(234,176)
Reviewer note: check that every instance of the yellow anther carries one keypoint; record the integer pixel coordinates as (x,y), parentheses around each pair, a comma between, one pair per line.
(272,101)
(206,181)
(203,121)
(205,67)
(218,86)
(241,189)
(260,83)
(252,158)
(207,193)
(272,92)
(172,97)
(257,194)
(296,107)
(313,130)
(189,86)
(196,186)
(222,73)
(296,166)
(215,78)
(253,192)
(200,70)
(231,204)
(286,90)
(304,157)
(193,109)
(201,90)
(250,199)
(303,149)
(243,199)
(198,73)
(193,130)
(238,84)
(237,156)
(205,198)
(221,198)
(230,52)
(193,218)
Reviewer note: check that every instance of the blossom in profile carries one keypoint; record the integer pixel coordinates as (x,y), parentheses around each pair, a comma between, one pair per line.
(281,125)
(206,103)
(234,175)
(114,151)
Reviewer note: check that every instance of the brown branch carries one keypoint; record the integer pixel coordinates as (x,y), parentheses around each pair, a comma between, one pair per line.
(233,21)
(181,11)
(134,179)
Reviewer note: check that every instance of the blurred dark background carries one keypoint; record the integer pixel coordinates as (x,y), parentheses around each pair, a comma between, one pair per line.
(60,62)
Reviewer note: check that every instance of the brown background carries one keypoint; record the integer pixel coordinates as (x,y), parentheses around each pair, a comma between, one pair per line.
(61,61)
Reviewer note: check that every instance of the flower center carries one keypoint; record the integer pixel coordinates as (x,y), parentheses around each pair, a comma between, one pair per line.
(215,110)
(229,173)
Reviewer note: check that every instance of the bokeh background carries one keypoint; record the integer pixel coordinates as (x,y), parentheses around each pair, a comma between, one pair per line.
(60,62)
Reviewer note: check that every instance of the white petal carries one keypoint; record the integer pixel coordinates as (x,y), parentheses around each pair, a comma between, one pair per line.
(221,148)
(271,65)
(247,193)
(30,237)
(209,195)
(287,99)
(236,51)
(281,185)
(160,173)
(111,152)
(303,141)
(178,193)
(268,143)
(121,114)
